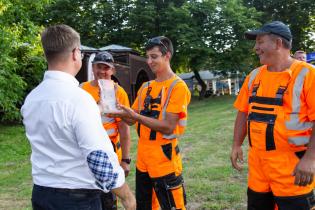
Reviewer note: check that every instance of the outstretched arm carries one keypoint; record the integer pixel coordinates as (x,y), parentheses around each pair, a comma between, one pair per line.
(165,126)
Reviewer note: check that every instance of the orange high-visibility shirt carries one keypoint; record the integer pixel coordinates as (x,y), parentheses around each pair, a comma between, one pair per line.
(269,83)
(179,100)
(122,98)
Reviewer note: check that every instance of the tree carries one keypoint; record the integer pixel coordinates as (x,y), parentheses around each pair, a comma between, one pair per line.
(218,43)
(299,15)
(21,60)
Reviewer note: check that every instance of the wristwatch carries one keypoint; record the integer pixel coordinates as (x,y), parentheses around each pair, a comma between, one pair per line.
(126,160)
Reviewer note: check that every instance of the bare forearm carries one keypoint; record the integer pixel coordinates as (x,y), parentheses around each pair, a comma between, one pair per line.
(240,128)
(126,196)
(124,133)
(162,126)
(129,121)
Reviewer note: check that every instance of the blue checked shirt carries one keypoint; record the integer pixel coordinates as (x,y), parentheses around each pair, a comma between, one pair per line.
(102,169)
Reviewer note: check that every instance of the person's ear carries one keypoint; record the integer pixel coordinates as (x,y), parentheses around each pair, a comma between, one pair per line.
(76,54)
(168,55)
(279,43)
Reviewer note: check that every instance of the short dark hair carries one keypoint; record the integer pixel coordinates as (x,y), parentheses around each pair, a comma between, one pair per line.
(300,52)
(165,44)
(287,44)
(58,40)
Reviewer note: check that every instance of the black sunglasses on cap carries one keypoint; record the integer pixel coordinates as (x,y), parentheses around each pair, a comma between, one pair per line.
(103,57)
(157,41)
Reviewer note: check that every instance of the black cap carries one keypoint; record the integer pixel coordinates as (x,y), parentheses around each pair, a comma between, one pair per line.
(105,58)
(275,27)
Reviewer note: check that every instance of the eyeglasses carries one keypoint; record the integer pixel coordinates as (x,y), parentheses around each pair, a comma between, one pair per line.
(157,41)
(81,53)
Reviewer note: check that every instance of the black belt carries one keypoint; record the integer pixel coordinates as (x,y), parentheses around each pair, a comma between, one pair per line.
(66,190)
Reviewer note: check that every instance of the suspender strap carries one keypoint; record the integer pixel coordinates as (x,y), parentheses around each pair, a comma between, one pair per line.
(266,100)
(270,142)
(147,84)
(255,88)
(280,91)
(248,131)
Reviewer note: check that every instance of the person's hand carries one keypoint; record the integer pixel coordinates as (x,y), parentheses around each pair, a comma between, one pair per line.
(125,112)
(304,171)
(127,198)
(126,167)
(237,157)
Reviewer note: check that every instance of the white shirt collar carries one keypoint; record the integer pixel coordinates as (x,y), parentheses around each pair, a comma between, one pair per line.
(60,75)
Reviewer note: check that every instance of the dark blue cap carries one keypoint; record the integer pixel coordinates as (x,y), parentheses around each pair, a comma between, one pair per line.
(276,27)
(105,58)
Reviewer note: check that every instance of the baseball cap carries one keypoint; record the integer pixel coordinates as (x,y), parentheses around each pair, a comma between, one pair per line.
(105,58)
(275,27)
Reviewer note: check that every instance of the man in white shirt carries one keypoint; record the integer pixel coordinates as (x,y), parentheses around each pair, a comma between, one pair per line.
(73,160)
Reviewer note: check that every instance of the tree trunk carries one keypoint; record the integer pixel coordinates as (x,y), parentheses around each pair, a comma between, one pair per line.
(202,84)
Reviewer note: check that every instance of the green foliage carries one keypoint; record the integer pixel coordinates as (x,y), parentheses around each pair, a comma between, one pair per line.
(21,60)
(204,33)
(298,14)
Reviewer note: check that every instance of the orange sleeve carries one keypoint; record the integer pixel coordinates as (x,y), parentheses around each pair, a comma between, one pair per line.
(179,100)
(136,102)
(122,97)
(309,90)
(241,102)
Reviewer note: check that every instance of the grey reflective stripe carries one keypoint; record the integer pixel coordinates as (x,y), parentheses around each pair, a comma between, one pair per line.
(168,97)
(172,136)
(299,140)
(107,119)
(140,93)
(111,131)
(182,122)
(252,76)
(294,122)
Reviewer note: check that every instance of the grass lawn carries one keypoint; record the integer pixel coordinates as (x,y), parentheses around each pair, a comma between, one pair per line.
(210,181)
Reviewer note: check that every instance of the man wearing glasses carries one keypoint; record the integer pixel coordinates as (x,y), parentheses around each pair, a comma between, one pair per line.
(73,161)
(117,130)
(160,114)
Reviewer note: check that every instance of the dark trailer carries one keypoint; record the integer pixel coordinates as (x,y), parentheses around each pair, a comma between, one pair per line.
(131,68)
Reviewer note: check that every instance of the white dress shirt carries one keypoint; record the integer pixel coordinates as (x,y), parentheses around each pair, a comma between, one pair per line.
(63,125)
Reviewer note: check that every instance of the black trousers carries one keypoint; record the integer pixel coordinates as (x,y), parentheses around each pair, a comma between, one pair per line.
(47,198)
(267,201)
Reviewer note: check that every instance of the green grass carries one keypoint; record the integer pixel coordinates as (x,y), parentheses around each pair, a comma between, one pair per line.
(210,181)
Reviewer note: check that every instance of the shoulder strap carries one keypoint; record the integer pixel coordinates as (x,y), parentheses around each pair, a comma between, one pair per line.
(252,77)
(168,96)
(144,85)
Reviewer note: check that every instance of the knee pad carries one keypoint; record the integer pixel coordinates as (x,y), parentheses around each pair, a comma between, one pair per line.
(170,192)
(300,202)
(260,201)
(109,201)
